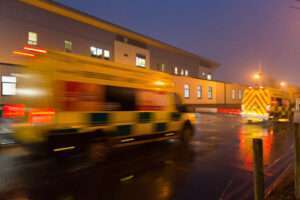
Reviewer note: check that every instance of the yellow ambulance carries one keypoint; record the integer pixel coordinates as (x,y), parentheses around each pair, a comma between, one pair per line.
(75,103)
(263,104)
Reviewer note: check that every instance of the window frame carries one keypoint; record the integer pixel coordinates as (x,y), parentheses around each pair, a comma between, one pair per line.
(240,94)
(209,77)
(106,54)
(210,93)
(176,70)
(163,67)
(138,59)
(199,92)
(32,38)
(186,72)
(186,91)
(68,46)
(12,81)
(233,94)
(96,52)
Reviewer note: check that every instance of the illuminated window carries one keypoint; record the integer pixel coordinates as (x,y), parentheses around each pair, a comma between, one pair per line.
(199,91)
(9,85)
(186,72)
(32,38)
(68,46)
(176,70)
(233,94)
(186,91)
(182,72)
(96,52)
(140,60)
(163,67)
(209,77)
(106,54)
(240,94)
(210,92)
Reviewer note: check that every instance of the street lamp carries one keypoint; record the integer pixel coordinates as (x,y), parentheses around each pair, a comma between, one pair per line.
(256,76)
(282,84)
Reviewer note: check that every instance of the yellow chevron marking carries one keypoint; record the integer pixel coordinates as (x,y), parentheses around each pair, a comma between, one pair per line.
(256,101)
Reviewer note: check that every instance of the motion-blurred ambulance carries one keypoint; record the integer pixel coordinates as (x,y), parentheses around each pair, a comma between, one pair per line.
(75,103)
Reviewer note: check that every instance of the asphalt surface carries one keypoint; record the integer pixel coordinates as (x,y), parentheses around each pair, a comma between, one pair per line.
(216,165)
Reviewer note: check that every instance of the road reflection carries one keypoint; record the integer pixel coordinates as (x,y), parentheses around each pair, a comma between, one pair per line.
(273,136)
(218,163)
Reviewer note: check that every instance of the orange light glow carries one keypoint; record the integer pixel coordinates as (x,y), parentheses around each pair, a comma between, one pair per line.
(159,83)
(21,53)
(41,115)
(37,50)
(283,84)
(257,76)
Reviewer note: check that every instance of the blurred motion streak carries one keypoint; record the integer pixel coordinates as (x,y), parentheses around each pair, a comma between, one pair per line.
(36,50)
(21,53)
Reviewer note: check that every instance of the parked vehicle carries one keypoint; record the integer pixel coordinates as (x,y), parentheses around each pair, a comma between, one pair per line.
(264,104)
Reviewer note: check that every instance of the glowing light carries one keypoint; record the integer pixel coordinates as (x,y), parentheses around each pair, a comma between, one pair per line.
(64,149)
(257,76)
(283,84)
(24,54)
(30,92)
(169,134)
(37,50)
(41,115)
(159,83)
(283,120)
(127,140)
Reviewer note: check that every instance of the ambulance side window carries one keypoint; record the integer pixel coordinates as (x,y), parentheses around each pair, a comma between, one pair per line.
(120,99)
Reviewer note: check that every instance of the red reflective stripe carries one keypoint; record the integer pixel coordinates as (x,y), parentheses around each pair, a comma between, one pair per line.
(233,111)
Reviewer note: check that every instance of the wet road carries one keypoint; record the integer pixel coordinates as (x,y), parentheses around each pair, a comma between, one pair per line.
(216,165)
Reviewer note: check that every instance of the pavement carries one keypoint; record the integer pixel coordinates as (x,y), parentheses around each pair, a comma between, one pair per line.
(284,186)
(216,165)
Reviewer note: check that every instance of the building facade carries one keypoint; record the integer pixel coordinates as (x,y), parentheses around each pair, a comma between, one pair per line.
(202,95)
(48,25)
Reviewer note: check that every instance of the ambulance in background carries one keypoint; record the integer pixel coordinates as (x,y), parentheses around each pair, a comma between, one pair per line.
(74,103)
(264,104)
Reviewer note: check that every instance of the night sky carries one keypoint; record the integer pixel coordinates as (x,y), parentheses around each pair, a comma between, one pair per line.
(239,34)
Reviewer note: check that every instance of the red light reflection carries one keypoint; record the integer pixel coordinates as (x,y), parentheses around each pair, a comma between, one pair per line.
(246,135)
